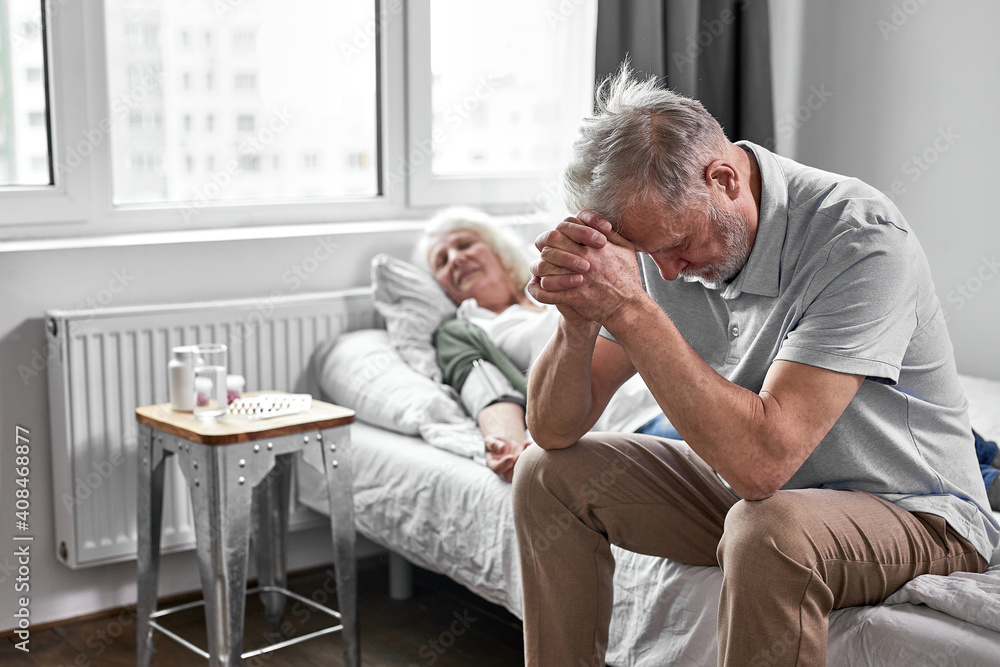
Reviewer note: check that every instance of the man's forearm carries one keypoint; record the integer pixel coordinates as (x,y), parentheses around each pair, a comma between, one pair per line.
(727,425)
(560,397)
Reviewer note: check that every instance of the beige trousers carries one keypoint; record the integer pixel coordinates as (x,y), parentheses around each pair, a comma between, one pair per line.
(787,560)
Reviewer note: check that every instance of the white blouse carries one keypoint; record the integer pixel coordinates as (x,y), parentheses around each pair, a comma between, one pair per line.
(521,333)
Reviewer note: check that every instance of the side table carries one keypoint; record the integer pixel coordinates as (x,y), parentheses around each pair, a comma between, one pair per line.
(238,473)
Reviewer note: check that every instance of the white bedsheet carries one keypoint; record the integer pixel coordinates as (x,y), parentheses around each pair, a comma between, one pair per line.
(966,595)
(453,516)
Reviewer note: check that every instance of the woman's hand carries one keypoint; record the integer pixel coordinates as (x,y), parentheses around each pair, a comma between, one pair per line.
(502,455)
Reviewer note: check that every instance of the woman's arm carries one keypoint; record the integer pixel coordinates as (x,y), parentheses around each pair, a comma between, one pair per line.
(502,425)
(504,421)
(492,389)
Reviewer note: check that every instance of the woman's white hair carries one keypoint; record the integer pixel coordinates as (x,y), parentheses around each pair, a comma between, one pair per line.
(646,144)
(502,240)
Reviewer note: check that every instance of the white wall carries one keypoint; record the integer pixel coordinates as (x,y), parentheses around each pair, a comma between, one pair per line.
(905,78)
(891,96)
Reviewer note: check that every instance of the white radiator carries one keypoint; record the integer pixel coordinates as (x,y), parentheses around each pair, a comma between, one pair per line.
(111,361)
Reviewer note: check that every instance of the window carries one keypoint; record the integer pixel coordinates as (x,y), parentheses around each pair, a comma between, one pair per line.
(245,41)
(147,163)
(142,34)
(245,123)
(145,120)
(249,162)
(137,72)
(293,83)
(487,86)
(246,83)
(338,117)
(23,110)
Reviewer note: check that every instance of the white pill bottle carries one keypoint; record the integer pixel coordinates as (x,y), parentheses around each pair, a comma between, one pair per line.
(181,372)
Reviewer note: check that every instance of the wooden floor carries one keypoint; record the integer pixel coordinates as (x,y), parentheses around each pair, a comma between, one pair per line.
(442,625)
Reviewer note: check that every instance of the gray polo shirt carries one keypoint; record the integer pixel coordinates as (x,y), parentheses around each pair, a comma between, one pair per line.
(837,279)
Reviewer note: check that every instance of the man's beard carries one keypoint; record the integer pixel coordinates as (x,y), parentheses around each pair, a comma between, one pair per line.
(735,231)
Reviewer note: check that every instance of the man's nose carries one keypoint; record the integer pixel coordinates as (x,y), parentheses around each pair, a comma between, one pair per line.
(669,264)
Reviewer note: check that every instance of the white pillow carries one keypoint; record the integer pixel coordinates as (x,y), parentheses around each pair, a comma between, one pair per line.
(363,372)
(414,306)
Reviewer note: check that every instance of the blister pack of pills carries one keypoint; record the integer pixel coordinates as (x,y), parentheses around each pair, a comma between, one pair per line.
(264,406)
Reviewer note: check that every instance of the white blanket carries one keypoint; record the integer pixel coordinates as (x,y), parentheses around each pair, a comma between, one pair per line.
(971,597)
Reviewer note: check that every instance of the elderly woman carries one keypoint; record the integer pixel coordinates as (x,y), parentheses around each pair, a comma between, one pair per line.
(499,331)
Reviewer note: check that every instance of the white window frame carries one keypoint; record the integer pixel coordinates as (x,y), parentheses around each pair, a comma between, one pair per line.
(68,201)
(425,187)
(80,203)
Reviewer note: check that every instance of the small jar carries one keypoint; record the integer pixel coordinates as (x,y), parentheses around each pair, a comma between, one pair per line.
(181,371)
(234,387)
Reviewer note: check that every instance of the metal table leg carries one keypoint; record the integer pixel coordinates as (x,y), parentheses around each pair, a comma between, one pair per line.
(270,530)
(336,448)
(149,517)
(221,479)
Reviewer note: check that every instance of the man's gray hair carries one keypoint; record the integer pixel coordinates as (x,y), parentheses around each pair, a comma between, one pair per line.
(646,144)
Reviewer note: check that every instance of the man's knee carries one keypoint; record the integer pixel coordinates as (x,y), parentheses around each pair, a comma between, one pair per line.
(562,475)
(525,472)
(541,509)
(757,530)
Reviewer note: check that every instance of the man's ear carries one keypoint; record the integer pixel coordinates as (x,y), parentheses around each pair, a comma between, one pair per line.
(721,175)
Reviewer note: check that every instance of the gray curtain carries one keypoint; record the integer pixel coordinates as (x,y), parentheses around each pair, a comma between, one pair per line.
(717,51)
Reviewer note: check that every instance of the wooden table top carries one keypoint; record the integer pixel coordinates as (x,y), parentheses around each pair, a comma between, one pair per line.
(237,428)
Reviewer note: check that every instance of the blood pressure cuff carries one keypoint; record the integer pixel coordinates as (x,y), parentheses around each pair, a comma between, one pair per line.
(473,365)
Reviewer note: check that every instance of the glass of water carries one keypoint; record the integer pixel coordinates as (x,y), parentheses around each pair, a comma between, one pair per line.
(210,381)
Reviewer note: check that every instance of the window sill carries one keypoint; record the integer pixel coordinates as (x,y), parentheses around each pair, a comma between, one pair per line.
(244,233)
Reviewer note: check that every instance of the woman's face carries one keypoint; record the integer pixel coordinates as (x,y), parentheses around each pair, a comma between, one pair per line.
(468,268)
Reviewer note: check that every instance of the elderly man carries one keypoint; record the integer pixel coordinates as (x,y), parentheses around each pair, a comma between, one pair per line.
(785,319)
